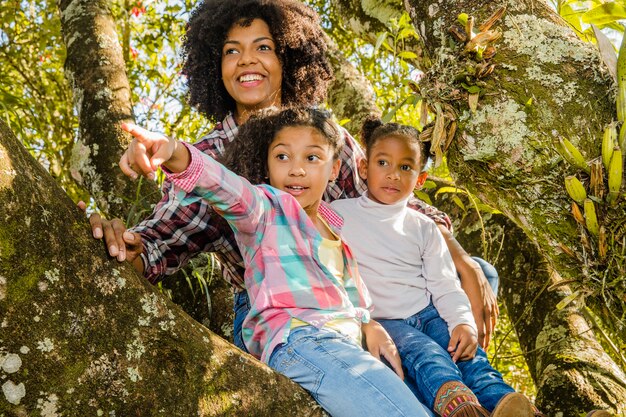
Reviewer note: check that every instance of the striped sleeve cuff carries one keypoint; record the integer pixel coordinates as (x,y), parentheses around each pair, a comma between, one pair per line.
(187,179)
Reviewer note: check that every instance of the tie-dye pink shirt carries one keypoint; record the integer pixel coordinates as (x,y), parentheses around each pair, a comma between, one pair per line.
(284,276)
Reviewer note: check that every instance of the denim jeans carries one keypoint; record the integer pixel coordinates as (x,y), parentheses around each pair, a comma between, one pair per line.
(241,306)
(343,378)
(242,302)
(422,341)
(490,273)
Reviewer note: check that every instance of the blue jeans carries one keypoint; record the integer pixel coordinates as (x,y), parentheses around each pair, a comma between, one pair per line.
(241,306)
(242,302)
(343,378)
(490,273)
(422,341)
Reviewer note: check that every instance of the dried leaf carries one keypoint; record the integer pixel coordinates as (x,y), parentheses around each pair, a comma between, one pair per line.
(596,183)
(602,245)
(483,39)
(492,19)
(606,51)
(451,132)
(469,27)
(472,101)
(567,250)
(458,33)
(439,135)
(423,112)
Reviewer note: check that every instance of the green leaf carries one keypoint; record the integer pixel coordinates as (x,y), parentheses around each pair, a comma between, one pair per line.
(605,13)
(459,203)
(407,55)
(454,190)
(379,41)
(565,301)
(424,197)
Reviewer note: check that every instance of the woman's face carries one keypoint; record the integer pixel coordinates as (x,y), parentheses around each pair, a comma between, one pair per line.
(251,71)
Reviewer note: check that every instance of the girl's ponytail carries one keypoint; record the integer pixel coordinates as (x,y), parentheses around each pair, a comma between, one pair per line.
(370,124)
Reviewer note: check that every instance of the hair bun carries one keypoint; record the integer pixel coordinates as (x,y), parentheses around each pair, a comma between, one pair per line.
(370,124)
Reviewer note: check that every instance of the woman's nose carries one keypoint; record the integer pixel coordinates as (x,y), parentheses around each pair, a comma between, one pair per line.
(247,57)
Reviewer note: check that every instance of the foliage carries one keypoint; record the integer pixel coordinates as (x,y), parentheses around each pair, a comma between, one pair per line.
(507,357)
(580,15)
(35,98)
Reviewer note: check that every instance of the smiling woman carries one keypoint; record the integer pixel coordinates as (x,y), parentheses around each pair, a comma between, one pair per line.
(251,71)
(277,47)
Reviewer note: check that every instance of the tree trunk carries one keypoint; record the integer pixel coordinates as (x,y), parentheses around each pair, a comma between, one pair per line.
(572,371)
(350,96)
(505,151)
(83,335)
(96,70)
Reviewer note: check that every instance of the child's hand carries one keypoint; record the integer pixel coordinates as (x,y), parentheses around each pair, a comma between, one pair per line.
(463,343)
(379,343)
(146,152)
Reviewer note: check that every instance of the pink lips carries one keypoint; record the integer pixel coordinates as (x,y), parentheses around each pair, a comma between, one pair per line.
(295,190)
(390,189)
(250,79)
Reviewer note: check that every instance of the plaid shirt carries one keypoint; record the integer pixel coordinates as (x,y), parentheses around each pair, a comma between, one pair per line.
(173,234)
(284,275)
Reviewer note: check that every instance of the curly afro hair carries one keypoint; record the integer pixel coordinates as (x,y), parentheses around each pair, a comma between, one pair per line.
(247,155)
(300,46)
(374,129)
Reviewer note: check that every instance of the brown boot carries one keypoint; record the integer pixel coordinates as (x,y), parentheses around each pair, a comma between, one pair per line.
(454,399)
(513,405)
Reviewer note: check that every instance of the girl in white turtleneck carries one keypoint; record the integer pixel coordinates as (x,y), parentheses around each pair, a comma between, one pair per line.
(417,296)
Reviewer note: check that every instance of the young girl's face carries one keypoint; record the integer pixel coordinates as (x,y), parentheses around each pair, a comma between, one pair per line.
(251,70)
(392,169)
(301,162)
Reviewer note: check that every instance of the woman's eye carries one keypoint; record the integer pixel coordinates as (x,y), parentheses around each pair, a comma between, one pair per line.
(313,158)
(230,51)
(265,48)
(282,157)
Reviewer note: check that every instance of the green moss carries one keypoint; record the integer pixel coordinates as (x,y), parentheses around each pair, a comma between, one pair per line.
(19,289)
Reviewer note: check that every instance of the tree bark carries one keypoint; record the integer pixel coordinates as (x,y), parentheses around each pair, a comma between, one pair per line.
(571,369)
(506,152)
(96,71)
(350,96)
(83,335)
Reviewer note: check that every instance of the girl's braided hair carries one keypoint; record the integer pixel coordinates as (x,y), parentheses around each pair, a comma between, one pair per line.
(374,129)
(300,46)
(247,154)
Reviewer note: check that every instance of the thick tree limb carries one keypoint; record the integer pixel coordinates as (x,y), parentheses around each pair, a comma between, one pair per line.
(96,70)
(83,335)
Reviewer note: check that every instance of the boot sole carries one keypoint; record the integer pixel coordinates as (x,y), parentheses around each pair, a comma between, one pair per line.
(513,405)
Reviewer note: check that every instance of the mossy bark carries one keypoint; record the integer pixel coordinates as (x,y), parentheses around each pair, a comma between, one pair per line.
(83,335)
(350,96)
(572,371)
(547,84)
(96,70)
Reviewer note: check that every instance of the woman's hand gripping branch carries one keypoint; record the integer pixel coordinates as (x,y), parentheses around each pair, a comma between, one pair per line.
(146,152)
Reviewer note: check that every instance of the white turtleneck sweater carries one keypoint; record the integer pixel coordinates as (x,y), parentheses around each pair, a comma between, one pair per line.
(404,261)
